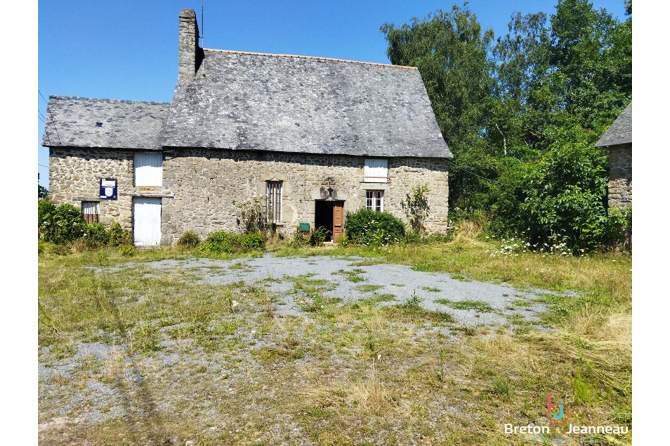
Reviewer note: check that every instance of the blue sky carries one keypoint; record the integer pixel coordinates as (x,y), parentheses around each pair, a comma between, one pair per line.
(125,49)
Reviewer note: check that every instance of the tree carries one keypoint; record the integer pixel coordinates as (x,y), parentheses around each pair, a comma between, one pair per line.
(522,111)
(451,51)
(42,191)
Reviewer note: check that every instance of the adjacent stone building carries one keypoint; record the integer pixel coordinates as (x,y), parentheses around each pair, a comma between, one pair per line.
(310,138)
(619,140)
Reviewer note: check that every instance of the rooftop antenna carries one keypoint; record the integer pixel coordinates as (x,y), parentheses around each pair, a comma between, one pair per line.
(202,23)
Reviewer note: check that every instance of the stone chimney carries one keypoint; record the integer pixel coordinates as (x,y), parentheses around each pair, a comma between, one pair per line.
(190,53)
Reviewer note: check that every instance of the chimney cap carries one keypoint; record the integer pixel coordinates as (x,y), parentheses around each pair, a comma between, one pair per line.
(187,13)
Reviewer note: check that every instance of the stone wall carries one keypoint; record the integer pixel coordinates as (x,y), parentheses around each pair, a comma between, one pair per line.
(620,187)
(201,187)
(74,176)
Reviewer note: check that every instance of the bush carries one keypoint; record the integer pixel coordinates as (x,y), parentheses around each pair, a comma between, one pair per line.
(318,236)
(299,239)
(558,199)
(374,228)
(253,241)
(343,241)
(222,242)
(59,224)
(189,239)
(96,235)
(117,236)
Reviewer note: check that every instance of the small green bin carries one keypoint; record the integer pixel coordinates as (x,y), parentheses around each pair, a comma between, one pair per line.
(304,227)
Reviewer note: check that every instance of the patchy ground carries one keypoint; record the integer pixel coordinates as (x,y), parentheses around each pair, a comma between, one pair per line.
(353,279)
(292,350)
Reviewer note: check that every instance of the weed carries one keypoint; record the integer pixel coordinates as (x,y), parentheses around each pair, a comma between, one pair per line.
(478,306)
(368,288)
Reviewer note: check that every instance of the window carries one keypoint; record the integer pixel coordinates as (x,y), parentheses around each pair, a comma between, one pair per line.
(376,171)
(148,169)
(91,211)
(374,200)
(274,200)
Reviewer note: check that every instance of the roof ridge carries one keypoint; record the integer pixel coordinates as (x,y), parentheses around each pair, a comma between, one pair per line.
(60,96)
(311,57)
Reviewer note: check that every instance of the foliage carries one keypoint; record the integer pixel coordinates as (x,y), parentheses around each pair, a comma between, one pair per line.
(251,217)
(222,242)
(189,239)
(416,207)
(118,236)
(253,241)
(374,228)
(318,236)
(42,191)
(343,241)
(521,109)
(559,198)
(59,224)
(299,239)
(127,250)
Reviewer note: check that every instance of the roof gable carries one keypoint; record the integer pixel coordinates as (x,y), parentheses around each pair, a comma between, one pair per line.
(247,101)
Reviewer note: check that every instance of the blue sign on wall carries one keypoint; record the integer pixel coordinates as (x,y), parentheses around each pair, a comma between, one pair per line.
(108,188)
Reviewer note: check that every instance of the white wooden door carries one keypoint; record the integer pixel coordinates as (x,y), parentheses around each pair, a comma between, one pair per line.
(147,221)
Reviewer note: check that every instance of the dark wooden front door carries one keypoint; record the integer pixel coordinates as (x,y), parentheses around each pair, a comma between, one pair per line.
(338,220)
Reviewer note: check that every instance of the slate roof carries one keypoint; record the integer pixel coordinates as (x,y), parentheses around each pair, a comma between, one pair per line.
(252,101)
(71,121)
(621,130)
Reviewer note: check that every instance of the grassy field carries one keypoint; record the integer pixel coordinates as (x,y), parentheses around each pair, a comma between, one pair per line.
(138,356)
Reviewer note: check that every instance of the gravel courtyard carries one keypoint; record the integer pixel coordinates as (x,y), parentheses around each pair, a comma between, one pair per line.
(269,348)
(352,279)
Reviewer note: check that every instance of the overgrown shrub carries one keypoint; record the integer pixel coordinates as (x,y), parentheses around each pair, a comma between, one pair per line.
(343,241)
(64,224)
(558,199)
(318,236)
(299,239)
(59,224)
(96,235)
(374,228)
(253,241)
(189,239)
(118,236)
(222,242)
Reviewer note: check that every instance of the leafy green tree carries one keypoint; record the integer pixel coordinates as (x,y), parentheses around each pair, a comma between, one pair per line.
(42,191)
(451,51)
(521,113)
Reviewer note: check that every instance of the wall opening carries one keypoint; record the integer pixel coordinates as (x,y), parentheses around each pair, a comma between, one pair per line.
(329,215)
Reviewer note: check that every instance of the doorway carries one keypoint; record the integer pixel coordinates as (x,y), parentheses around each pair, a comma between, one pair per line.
(147,221)
(329,215)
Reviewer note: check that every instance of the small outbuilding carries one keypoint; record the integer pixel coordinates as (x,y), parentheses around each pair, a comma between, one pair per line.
(619,140)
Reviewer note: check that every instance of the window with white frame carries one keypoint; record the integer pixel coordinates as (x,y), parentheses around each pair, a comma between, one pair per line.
(148,169)
(274,200)
(91,211)
(376,170)
(374,200)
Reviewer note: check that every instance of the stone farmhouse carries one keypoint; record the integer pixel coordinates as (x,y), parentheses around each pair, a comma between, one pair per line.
(310,138)
(619,140)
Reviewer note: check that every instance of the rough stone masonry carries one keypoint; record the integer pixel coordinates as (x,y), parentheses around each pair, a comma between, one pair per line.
(200,186)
